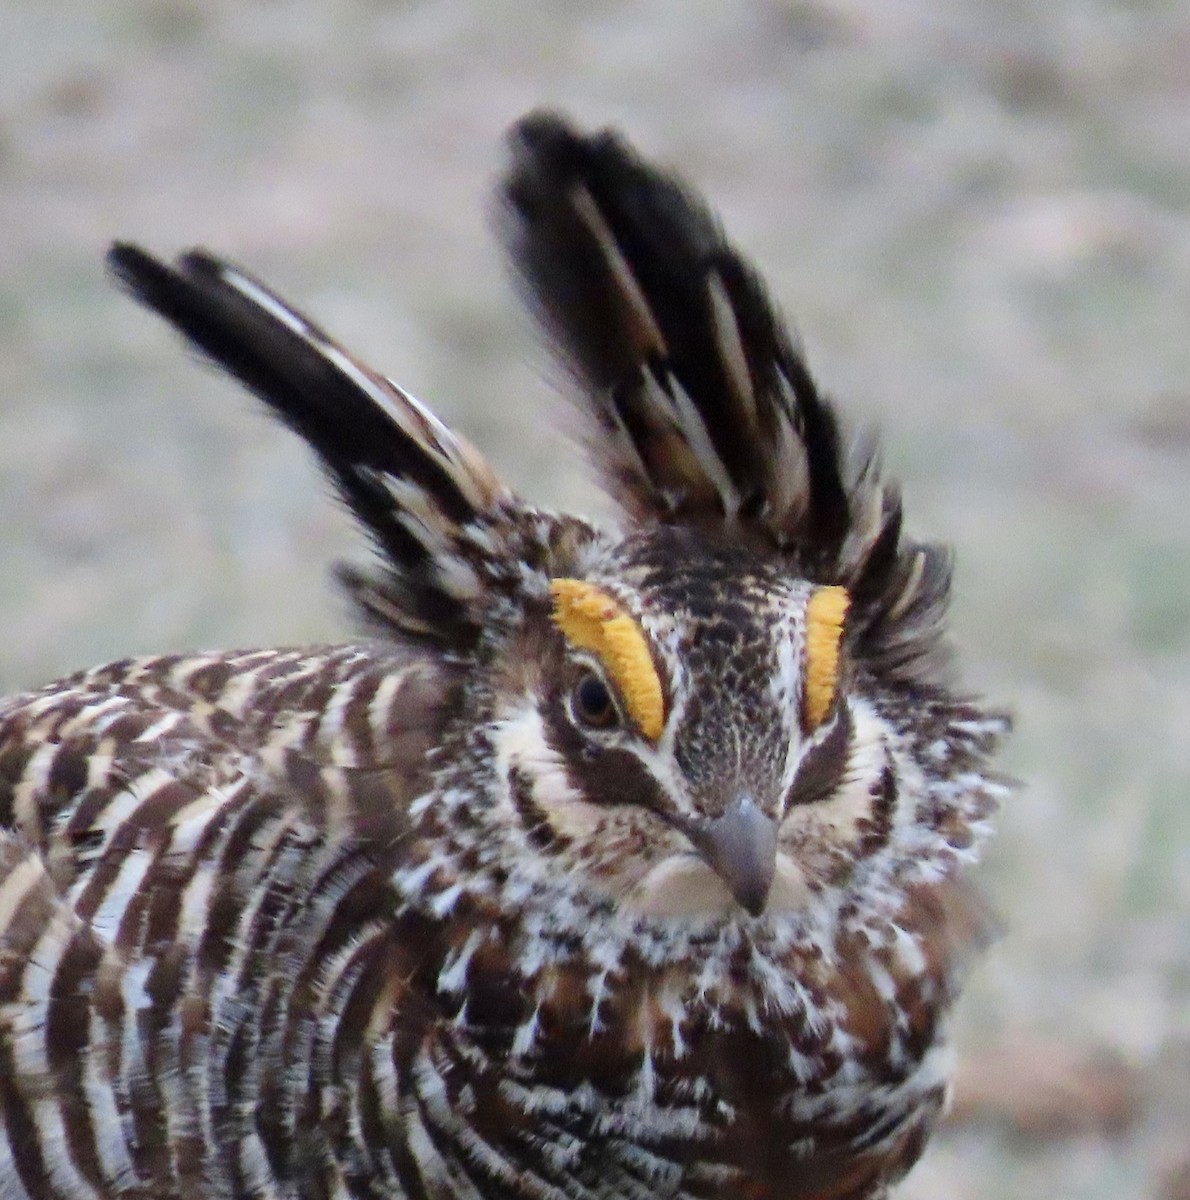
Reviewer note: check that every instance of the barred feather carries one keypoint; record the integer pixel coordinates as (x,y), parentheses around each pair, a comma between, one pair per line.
(194,878)
(235,962)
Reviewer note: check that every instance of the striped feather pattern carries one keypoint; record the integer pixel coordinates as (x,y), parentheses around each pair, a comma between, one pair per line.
(425,918)
(214,981)
(189,903)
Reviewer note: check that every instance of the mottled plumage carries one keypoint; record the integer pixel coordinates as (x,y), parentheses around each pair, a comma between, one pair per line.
(614,866)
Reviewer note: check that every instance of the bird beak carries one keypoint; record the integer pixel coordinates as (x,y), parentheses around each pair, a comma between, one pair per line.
(741,847)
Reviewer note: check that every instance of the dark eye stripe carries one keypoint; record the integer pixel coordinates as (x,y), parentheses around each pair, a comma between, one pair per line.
(601,774)
(876,828)
(822,769)
(533,817)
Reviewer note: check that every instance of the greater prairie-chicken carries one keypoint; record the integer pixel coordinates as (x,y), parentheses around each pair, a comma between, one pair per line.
(614,865)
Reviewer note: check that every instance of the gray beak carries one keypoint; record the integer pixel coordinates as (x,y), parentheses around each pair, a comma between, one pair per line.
(741,847)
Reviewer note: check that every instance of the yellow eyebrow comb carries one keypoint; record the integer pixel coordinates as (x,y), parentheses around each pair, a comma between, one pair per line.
(594,621)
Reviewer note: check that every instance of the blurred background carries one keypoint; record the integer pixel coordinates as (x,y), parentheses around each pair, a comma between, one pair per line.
(978,215)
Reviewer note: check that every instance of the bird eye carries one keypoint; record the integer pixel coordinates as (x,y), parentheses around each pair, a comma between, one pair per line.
(592,704)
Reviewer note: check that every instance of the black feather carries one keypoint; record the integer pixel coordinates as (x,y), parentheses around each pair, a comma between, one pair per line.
(653,309)
(366,432)
(704,413)
(624,263)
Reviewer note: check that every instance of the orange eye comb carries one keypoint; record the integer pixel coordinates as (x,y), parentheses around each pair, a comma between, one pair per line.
(593,621)
(825,613)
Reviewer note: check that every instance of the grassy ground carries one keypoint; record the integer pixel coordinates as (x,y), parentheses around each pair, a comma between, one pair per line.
(982,223)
